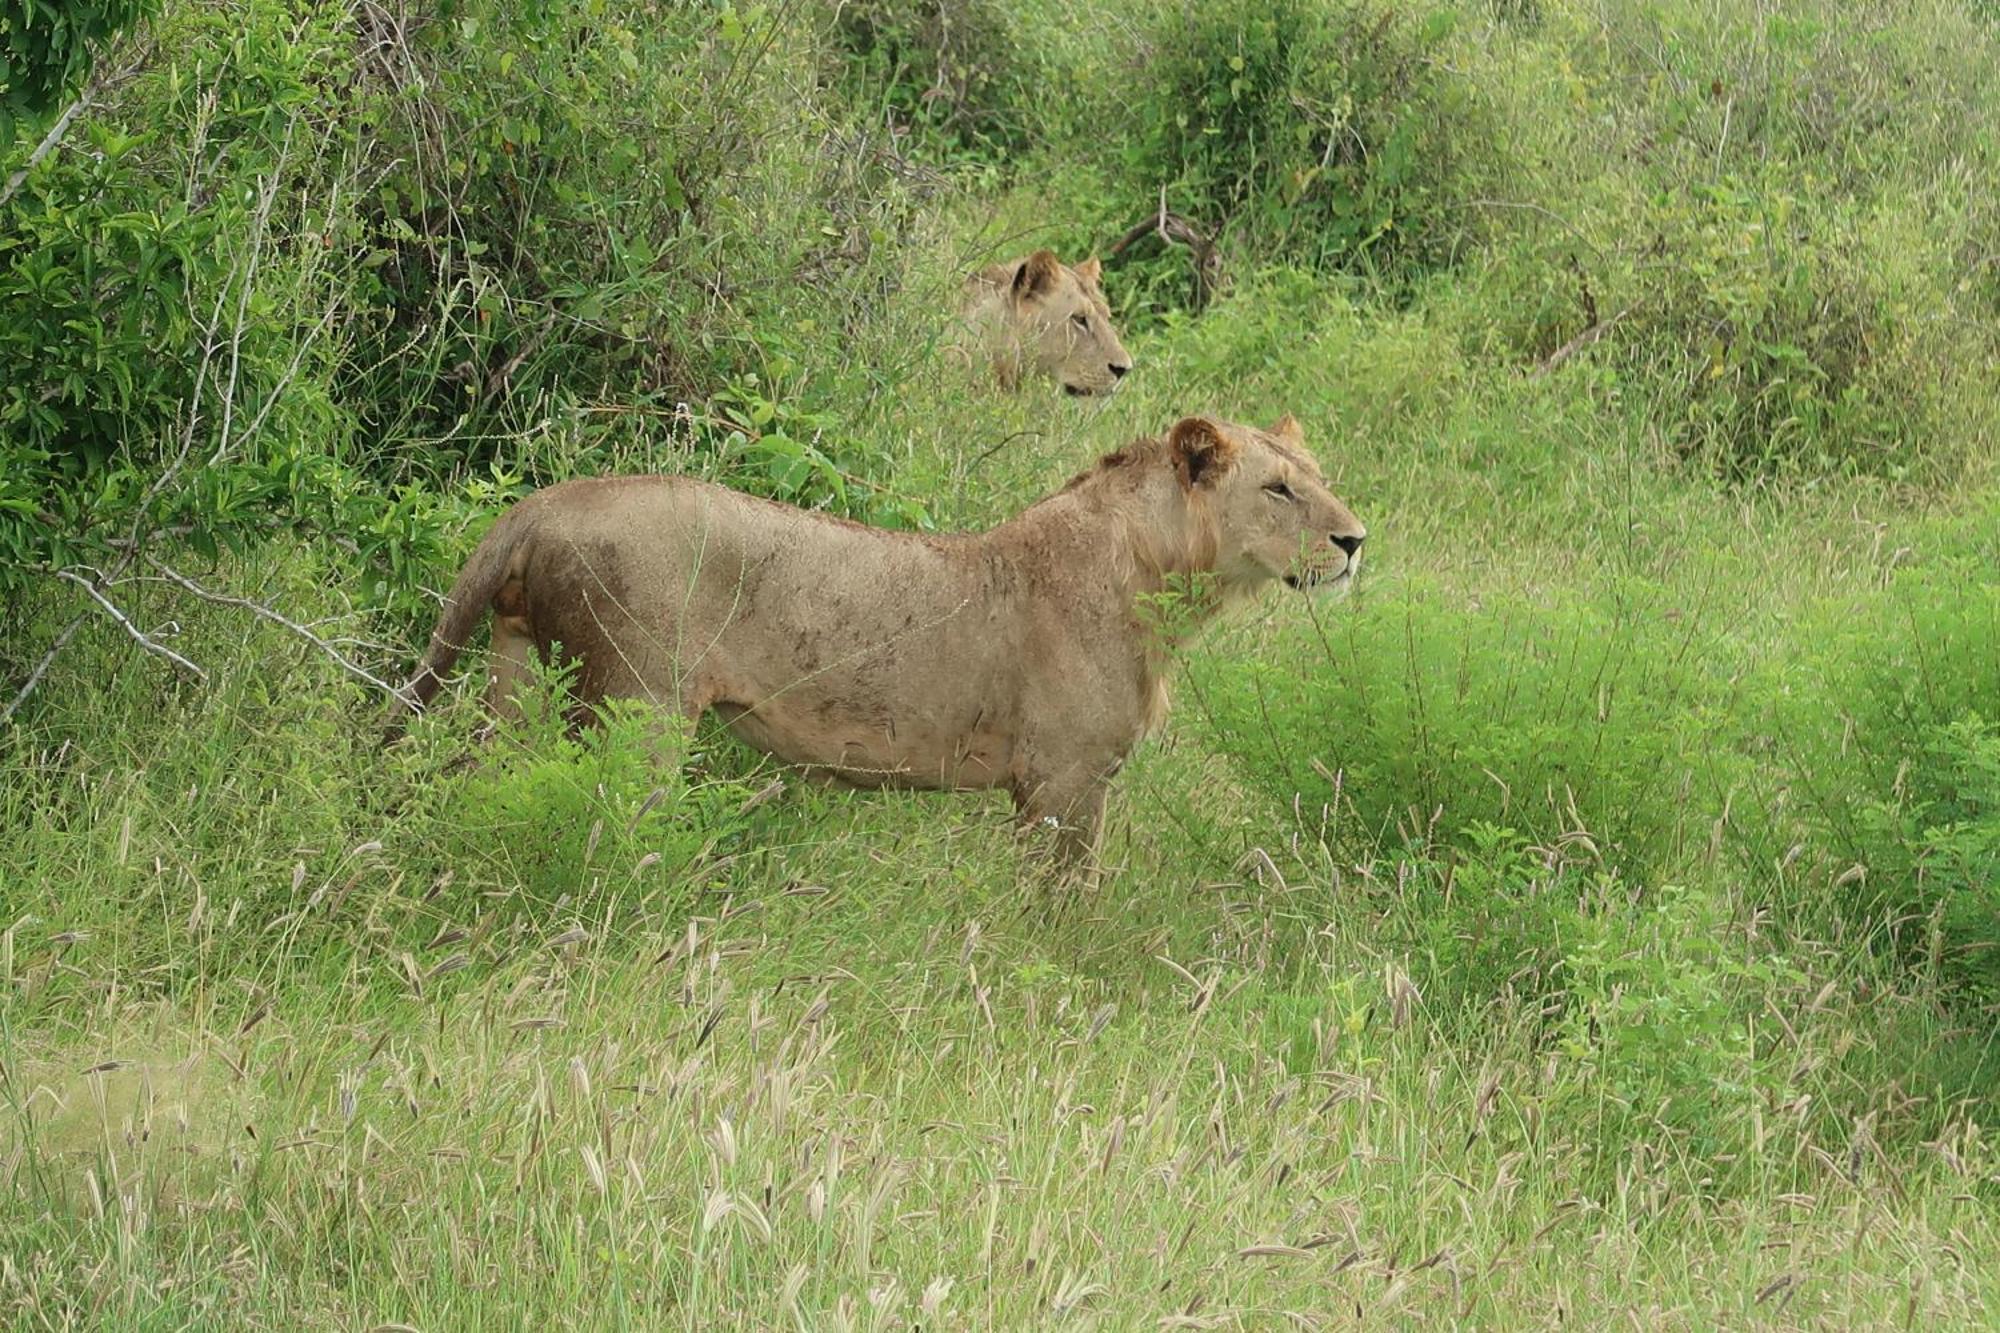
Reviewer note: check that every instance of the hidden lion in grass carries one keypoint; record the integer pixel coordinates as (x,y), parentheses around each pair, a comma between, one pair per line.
(1028,657)
(1040,316)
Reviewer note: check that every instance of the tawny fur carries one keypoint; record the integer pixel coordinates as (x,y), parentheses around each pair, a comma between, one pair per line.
(1039,316)
(1019,657)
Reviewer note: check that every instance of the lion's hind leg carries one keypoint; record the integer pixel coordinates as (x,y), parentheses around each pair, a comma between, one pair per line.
(509,665)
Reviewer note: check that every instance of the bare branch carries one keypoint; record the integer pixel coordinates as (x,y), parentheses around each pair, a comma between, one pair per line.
(54,137)
(1540,211)
(42,667)
(258,225)
(46,146)
(1578,343)
(1172,229)
(139,636)
(264,612)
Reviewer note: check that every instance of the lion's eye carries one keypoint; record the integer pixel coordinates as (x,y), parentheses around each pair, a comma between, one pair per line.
(1282,491)
(1081,321)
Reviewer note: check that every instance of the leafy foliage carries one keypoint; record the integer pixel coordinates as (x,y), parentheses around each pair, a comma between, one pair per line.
(171,372)
(1325,135)
(1663,1011)
(1438,719)
(564,815)
(1773,253)
(1887,756)
(957,71)
(46,48)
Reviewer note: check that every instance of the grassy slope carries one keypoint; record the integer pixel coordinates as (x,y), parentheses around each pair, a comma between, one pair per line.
(853,1071)
(887,1077)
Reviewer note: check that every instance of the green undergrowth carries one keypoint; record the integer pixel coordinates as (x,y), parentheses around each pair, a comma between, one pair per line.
(1591,919)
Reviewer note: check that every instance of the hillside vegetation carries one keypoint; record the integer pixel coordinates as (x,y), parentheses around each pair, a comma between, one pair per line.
(1592,921)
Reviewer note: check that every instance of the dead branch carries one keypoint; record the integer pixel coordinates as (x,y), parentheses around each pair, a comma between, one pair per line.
(496,383)
(265,612)
(1174,230)
(1540,211)
(259,224)
(1578,343)
(42,667)
(53,139)
(1005,440)
(139,636)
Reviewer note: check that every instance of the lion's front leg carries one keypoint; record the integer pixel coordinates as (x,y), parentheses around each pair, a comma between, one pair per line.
(1068,812)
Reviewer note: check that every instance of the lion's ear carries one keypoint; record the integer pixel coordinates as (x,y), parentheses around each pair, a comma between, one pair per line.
(1089,271)
(1201,452)
(1287,429)
(1037,275)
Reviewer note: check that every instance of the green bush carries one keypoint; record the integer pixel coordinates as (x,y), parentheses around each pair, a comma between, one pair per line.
(149,325)
(1660,1014)
(1485,917)
(1956,876)
(1577,724)
(1320,133)
(957,72)
(1769,222)
(45,50)
(578,214)
(1785,338)
(534,210)
(1885,771)
(563,814)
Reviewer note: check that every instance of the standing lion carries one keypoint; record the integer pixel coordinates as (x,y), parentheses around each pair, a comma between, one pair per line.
(1021,657)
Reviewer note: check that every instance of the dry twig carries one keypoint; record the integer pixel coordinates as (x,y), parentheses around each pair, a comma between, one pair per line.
(1578,343)
(263,612)
(1172,229)
(139,636)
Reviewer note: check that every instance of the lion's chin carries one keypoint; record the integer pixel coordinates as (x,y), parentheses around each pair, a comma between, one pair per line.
(1322,585)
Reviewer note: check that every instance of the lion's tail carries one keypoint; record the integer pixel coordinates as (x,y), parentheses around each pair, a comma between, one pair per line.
(472,592)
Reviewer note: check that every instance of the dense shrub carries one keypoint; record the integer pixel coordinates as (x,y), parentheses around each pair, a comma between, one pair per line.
(1661,1014)
(959,74)
(1784,339)
(1767,224)
(1576,724)
(166,292)
(532,214)
(562,815)
(1485,917)
(1887,748)
(1320,133)
(1525,769)
(648,216)
(46,49)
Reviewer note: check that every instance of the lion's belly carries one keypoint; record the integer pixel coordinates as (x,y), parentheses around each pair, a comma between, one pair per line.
(892,752)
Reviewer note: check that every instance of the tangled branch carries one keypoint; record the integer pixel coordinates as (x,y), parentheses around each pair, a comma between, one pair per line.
(214,408)
(264,612)
(1174,230)
(95,589)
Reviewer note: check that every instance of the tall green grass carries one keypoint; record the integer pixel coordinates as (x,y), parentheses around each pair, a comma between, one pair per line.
(1589,920)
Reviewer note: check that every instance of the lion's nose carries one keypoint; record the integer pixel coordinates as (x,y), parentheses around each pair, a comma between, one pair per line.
(1120,371)
(1350,544)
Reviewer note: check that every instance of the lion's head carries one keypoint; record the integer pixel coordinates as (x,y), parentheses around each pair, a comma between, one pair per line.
(1049,318)
(1269,512)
